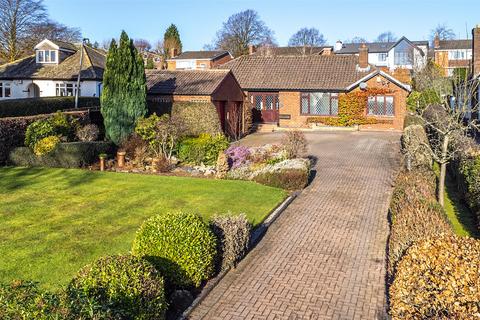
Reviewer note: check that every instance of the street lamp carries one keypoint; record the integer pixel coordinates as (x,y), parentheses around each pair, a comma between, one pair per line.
(84,40)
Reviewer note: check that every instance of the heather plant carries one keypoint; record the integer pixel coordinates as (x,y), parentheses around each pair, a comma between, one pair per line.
(237,156)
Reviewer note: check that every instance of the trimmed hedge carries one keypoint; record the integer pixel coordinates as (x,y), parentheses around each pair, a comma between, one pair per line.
(468,177)
(412,119)
(118,287)
(288,179)
(416,147)
(202,149)
(36,106)
(439,278)
(180,245)
(65,155)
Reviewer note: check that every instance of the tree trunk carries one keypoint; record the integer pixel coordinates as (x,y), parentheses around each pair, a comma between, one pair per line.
(443,171)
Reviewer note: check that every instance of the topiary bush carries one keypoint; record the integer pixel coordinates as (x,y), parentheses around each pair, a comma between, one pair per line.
(118,287)
(202,149)
(233,233)
(439,278)
(180,245)
(46,145)
(197,118)
(416,147)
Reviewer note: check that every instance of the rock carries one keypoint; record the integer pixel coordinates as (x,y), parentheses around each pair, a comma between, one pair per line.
(181,300)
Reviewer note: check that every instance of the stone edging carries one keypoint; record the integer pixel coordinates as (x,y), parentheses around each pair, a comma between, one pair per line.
(254,239)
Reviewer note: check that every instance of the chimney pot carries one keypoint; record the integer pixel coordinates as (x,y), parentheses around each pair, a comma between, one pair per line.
(251,49)
(436,41)
(363,57)
(338,45)
(173,52)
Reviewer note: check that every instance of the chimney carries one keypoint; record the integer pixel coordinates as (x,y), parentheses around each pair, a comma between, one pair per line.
(338,46)
(476,50)
(326,52)
(173,52)
(436,41)
(363,57)
(251,49)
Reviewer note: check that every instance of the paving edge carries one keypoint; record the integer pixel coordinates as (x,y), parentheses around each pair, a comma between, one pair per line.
(254,239)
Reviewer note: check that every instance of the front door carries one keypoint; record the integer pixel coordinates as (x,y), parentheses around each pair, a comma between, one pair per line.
(266,107)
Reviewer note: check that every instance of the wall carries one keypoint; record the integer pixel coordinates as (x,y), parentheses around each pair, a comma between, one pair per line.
(48,88)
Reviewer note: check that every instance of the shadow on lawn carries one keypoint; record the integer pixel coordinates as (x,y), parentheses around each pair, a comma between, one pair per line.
(12,178)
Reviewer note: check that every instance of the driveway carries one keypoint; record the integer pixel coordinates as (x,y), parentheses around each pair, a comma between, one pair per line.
(324,257)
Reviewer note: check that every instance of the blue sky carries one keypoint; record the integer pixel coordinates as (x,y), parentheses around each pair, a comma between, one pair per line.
(198,20)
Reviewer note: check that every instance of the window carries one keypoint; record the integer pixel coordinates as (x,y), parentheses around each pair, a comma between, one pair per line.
(265,101)
(319,103)
(457,55)
(46,56)
(403,54)
(65,89)
(202,66)
(382,57)
(380,106)
(5,90)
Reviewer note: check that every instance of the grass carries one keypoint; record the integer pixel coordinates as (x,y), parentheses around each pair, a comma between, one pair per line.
(54,221)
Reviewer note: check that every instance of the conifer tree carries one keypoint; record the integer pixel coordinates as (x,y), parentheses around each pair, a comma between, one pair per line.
(171,40)
(123,98)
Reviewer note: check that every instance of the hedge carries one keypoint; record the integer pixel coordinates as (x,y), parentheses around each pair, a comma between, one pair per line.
(12,131)
(36,106)
(65,155)
(416,147)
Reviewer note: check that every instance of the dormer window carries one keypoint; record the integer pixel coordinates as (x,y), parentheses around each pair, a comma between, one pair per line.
(46,56)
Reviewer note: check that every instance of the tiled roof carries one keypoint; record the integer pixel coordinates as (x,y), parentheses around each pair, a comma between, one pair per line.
(93,66)
(210,55)
(184,82)
(374,47)
(313,72)
(65,45)
(293,51)
(454,44)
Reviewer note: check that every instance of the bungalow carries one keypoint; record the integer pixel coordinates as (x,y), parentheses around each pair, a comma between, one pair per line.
(388,56)
(288,90)
(218,88)
(193,60)
(53,71)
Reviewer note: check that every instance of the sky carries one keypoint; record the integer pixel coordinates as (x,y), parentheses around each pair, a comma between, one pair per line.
(199,20)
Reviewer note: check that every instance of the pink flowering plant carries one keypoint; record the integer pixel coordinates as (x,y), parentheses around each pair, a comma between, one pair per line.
(237,156)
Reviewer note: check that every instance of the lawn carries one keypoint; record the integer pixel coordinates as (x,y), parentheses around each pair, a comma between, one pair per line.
(54,221)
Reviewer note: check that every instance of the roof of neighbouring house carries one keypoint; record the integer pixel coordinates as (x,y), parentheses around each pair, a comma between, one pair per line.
(65,45)
(184,82)
(311,72)
(376,47)
(454,44)
(204,55)
(292,51)
(93,66)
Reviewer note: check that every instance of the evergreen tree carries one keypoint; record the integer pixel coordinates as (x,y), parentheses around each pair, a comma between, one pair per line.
(123,98)
(150,64)
(171,40)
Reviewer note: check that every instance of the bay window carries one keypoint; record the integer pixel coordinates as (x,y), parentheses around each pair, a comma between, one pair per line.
(380,106)
(319,103)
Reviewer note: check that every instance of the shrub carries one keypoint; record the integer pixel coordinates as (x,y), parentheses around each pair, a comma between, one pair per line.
(65,155)
(197,118)
(88,132)
(287,174)
(120,287)
(411,119)
(203,149)
(46,145)
(237,155)
(295,144)
(57,125)
(469,169)
(222,165)
(25,300)
(180,245)
(416,148)
(44,105)
(233,233)
(438,279)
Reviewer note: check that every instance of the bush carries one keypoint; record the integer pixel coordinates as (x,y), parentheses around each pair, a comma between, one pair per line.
(287,174)
(46,145)
(119,287)
(469,169)
(416,148)
(197,118)
(222,166)
(57,125)
(233,233)
(237,156)
(295,144)
(203,149)
(44,105)
(65,155)
(412,119)
(88,132)
(438,279)
(180,245)
(25,300)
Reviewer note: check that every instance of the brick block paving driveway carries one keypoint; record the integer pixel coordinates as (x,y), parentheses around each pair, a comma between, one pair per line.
(324,257)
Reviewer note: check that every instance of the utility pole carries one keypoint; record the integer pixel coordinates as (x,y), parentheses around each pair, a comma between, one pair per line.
(77,92)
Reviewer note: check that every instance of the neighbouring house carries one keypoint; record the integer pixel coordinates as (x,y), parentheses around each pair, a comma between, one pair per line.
(219,88)
(193,60)
(53,71)
(158,61)
(452,54)
(291,51)
(288,90)
(389,56)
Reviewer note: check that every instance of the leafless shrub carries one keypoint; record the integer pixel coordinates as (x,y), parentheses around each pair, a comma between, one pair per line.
(295,144)
(88,132)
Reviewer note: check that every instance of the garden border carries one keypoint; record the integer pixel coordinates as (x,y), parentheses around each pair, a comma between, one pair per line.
(254,240)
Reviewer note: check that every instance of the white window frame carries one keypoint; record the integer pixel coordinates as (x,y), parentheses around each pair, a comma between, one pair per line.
(4,88)
(383,57)
(62,89)
(44,56)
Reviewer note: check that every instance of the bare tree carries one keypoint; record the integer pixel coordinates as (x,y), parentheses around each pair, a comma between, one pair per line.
(241,30)
(357,39)
(158,47)
(142,45)
(443,31)
(306,39)
(50,30)
(387,36)
(17,18)
(449,122)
